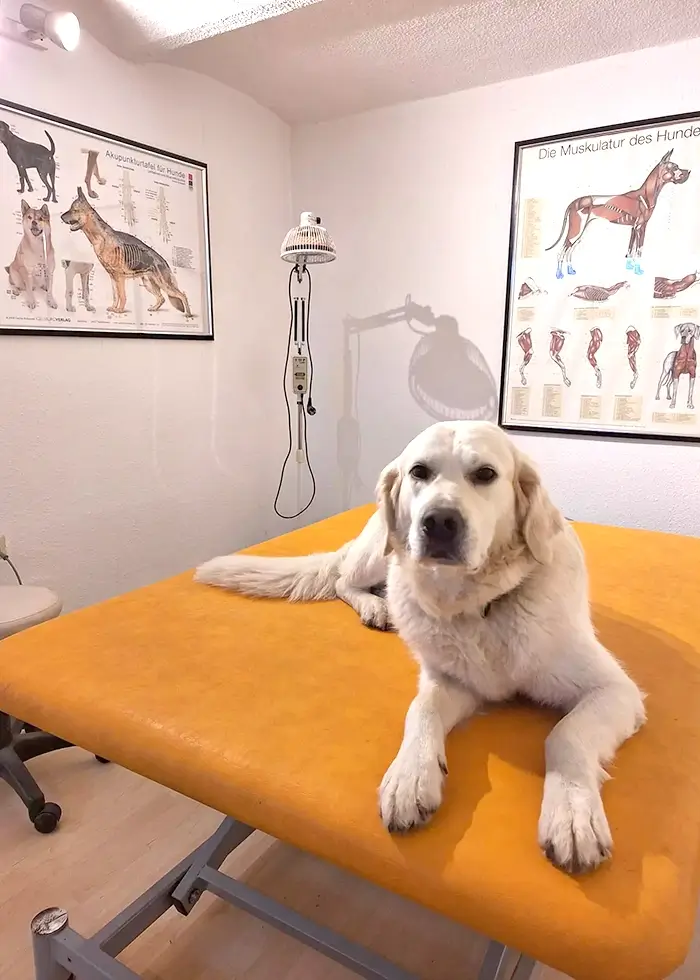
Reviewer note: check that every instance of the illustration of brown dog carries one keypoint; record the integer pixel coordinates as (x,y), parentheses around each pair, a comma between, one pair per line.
(633,209)
(34,262)
(679,362)
(124,257)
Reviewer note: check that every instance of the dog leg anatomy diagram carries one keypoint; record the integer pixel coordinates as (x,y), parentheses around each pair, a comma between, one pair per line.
(593,348)
(633,342)
(556,343)
(525,342)
(91,171)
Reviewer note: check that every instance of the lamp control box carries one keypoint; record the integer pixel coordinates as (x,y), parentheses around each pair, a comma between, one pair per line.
(300,374)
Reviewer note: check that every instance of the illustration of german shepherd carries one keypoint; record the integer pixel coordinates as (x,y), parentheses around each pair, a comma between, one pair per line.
(124,257)
(31,156)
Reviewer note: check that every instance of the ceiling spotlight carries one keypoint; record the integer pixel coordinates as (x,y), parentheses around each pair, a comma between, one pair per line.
(60,26)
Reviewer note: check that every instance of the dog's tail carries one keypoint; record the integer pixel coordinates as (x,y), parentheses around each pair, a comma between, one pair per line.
(52,148)
(312,577)
(563,226)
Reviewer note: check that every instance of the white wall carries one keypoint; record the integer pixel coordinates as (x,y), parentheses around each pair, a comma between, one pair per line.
(123,461)
(418,199)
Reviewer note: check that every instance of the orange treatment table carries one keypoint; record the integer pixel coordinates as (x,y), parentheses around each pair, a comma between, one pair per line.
(284,718)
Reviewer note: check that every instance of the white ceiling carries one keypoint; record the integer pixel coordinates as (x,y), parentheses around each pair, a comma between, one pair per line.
(337,57)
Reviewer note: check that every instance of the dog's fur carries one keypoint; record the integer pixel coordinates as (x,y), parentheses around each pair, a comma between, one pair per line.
(31,156)
(123,257)
(500,610)
(35,261)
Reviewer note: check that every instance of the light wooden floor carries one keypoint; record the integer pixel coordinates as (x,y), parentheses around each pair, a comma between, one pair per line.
(120,833)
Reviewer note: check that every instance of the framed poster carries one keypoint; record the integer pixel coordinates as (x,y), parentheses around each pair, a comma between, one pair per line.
(603,296)
(99,236)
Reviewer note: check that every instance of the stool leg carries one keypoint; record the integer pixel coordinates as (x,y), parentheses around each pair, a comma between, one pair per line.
(45,925)
(17,776)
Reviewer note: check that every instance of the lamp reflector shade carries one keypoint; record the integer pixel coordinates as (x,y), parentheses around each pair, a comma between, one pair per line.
(60,26)
(308,243)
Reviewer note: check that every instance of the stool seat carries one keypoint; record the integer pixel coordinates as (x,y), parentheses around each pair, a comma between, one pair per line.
(22,606)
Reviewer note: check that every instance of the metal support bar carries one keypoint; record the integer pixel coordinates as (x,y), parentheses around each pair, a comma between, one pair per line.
(132,921)
(524,969)
(62,954)
(86,961)
(353,957)
(496,956)
(212,854)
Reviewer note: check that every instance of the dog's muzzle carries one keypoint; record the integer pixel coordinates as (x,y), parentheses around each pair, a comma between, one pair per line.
(442,534)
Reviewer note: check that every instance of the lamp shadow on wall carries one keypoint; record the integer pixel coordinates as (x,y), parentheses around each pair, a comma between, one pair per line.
(448,378)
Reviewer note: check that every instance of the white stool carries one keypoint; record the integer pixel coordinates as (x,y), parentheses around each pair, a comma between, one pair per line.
(21,607)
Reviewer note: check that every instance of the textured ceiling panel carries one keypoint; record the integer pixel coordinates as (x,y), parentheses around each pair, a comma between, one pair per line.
(345,56)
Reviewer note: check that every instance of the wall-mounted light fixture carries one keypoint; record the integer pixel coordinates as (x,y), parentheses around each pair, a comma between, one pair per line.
(36,24)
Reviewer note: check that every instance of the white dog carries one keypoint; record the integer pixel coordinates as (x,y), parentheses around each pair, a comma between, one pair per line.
(486,584)
(34,262)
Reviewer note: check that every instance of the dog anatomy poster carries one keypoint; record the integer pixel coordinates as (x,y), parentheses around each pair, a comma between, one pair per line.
(603,305)
(98,235)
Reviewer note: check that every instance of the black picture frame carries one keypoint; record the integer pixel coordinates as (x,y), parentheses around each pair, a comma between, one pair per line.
(127,144)
(592,432)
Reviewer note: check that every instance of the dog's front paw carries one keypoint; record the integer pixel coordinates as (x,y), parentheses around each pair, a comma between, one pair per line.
(53,304)
(376,616)
(411,790)
(573,829)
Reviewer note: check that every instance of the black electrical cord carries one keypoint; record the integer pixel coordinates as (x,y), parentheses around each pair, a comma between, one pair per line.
(9,562)
(291,517)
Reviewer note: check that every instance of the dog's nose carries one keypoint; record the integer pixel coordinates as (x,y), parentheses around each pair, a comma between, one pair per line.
(443,526)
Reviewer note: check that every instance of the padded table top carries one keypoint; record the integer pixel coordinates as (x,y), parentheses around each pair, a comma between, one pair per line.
(286,716)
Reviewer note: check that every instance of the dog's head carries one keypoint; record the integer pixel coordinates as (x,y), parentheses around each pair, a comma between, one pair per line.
(78,213)
(35,221)
(461,494)
(670,172)
(684,331)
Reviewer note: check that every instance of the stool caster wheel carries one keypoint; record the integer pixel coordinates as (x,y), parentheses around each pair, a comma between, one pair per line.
(105,762)
(46,819)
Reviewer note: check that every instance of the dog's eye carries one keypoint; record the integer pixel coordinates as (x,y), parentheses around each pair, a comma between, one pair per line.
(485,474)
(420,472)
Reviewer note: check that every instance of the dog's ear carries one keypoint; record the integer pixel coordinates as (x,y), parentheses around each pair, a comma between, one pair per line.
(45,211)
(387,499)
(667,155)
(537,518)
(25,207)
(80,193)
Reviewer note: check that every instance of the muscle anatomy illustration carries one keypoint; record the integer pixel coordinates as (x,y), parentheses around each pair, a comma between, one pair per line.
(127,200)
(680,362)
(93,171)
(163,225)
(556,342)
(632,209)
(593,348)
(524,339)
(530,288)
(633,342)
(598,294)
(668,288)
